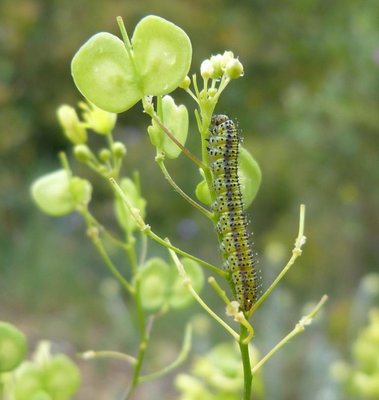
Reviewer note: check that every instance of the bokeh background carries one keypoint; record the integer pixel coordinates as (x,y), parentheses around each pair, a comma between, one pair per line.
(308,107)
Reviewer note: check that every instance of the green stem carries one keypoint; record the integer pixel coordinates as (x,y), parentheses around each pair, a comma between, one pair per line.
(195,86)
(184,149)
(115,165)
(166,174)
(108,262)
(143,249)
(140,310)
(64,161)
(146,229)
(179,360)
(131,250)
(223,84)
(94,222)
(144,331)
(138,366)
(124,35)
(211,267)
(212,281)
(189,91)
(247,375)
(299,328)
(88,355)
(296,252)
(187,283)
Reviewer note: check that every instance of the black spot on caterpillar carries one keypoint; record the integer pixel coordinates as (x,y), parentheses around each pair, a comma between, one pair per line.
(231,226)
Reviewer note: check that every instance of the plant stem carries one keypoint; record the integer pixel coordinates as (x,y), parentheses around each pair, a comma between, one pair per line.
(184,149)
(181,358)
(108,354)
(115,164)
(247,375)
(296,252)
(143,249)
(143,327)
(211,267)
(92,221)
(187,283)
(108,262)
(124,34)
(212,281)
(146,229)
(138,366)
(131,251)
(166,174)
(300,327)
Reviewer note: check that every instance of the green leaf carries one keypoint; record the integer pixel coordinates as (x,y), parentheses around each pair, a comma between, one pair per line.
(162,53)
(103,72)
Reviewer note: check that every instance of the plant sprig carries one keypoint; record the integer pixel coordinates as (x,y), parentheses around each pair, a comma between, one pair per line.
(114,75)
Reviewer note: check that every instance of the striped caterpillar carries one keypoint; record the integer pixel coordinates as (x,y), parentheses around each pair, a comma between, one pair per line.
(231,226)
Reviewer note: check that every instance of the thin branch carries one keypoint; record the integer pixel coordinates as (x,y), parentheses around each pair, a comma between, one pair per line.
(146,229)
(299,328)
(93,235)
(195,204)
(184,149)
(296,252)
(179,360)
(124,35)
(187,283)
(90,218)
(212,281)
(211,267)
(189,91)
(90,354)
(143,249)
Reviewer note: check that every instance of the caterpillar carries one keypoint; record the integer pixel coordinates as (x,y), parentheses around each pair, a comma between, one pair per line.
(231,225)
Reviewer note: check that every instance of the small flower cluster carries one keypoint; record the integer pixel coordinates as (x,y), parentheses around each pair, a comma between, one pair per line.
(221,64)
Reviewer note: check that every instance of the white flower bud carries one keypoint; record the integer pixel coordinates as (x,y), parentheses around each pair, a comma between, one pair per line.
(206,69)
(217,65)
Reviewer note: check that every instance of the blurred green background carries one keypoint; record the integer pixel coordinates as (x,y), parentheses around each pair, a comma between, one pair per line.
(308,107)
